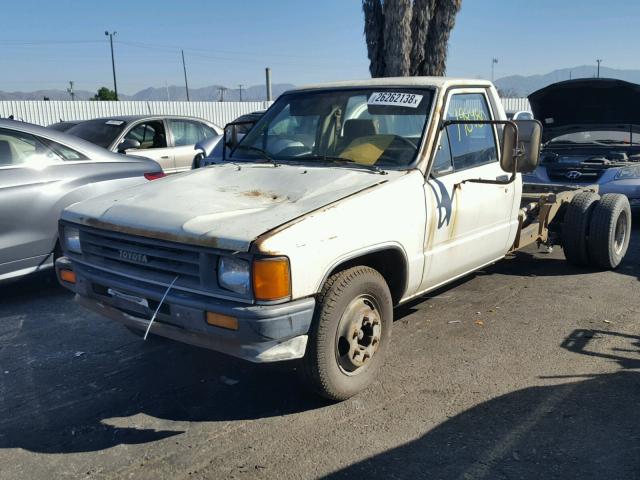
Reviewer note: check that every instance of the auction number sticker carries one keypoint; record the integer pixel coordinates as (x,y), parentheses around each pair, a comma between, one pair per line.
(409,100)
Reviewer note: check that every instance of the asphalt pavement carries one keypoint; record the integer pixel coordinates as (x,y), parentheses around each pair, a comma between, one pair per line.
(529,369)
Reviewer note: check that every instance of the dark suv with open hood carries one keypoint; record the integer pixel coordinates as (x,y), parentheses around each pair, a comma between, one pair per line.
(591,135)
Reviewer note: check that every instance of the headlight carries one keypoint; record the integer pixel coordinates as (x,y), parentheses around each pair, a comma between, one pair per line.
(628,172)
(71,240)
(234,274)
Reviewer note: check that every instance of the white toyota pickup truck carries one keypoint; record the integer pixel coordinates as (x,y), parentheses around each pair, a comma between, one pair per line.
(342,202)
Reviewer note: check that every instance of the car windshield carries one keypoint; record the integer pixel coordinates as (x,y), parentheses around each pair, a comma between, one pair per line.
(101,132)
(379,127)
(607,137)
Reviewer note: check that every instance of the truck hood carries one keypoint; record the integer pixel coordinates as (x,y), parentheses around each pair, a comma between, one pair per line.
(586,104)
(223,206)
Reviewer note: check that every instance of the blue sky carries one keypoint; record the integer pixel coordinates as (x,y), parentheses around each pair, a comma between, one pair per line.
(44,44)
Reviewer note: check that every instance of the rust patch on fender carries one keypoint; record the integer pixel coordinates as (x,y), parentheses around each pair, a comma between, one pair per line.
(257,244)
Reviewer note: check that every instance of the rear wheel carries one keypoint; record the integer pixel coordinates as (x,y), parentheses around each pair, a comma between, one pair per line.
(575,227)
(610,231)
(350,333)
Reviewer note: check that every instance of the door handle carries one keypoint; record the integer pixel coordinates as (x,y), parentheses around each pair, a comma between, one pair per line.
(165,157)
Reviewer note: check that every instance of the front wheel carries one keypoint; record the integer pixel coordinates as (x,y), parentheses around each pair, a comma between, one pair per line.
(350,333)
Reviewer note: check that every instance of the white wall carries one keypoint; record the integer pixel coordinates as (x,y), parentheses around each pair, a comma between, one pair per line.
(48,112)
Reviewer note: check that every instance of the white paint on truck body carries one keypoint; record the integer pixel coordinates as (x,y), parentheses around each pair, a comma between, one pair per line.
(320,216)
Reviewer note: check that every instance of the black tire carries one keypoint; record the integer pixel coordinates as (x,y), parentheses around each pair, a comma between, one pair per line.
(327,366)
(197,161)
(610,231)
(575,228)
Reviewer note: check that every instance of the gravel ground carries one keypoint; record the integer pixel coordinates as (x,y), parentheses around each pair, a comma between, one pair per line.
(529,369)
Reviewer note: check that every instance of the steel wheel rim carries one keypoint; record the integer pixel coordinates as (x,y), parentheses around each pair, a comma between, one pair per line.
(620,234)
(358,335)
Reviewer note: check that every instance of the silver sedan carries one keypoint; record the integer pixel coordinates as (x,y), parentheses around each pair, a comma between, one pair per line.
(169,140)
(42,171)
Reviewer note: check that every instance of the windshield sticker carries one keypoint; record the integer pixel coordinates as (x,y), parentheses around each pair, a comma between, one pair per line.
(114,122)
(409,100)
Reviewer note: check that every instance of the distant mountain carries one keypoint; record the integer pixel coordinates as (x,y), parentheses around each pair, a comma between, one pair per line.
(171,92)
(210,93)
(521,86)
(41,94)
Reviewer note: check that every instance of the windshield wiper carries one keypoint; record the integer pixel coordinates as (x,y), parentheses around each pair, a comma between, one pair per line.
(334,159)
(260,151)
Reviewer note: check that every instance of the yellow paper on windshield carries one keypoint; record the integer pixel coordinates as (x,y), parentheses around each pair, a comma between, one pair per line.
(367,150)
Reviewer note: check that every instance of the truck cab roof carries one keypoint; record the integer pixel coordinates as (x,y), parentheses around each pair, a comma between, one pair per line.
(434,82)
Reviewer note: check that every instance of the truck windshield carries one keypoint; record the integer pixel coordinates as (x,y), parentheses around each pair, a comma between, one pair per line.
(373,126)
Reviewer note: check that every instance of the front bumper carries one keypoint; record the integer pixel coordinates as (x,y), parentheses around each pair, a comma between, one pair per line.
(265,333)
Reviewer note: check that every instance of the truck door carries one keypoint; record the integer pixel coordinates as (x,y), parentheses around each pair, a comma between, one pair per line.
(470,223)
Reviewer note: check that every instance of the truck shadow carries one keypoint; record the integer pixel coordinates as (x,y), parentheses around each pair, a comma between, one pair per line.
(68,377)
(586,428)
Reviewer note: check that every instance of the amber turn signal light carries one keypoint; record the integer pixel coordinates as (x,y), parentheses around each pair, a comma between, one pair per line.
(271,278)
(222,321)
(68,276)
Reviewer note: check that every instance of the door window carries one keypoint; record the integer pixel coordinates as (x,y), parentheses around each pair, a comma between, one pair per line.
(187,133)
(18,148)
(149,134)
(471,145)
(443,162)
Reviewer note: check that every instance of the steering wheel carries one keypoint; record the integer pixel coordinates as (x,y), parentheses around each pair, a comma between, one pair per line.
(405,140)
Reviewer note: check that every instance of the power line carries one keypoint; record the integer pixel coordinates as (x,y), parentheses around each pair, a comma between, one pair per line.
(186,83)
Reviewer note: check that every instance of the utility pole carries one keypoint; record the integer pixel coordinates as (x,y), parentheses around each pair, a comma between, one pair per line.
(494,60)
(221,90)
(113,62)
(186,83)
(240,87)
(70,90)
(267,72)
(599,62)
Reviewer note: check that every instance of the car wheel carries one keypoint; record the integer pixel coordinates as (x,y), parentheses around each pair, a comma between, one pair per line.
(350,333)
(610,231)
(575,227)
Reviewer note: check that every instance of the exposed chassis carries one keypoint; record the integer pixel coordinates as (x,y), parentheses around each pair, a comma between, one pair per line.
(541,211)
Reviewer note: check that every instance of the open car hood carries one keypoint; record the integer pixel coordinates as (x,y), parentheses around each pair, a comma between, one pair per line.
(586,104)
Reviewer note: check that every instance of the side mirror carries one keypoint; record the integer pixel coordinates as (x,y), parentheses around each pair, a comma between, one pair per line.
(521,145)
(231,136)
(128,144)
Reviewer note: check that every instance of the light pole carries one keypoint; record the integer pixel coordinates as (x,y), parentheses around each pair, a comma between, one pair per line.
(599,61)
(186,83)
(240,87)
(494,60)
(70,91)
(113,62)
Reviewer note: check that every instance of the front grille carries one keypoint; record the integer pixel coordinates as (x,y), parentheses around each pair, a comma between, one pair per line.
(156,261)
(587,174)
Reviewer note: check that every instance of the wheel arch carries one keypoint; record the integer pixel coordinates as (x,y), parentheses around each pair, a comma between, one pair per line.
(379,257)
